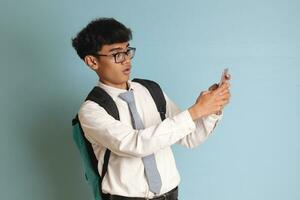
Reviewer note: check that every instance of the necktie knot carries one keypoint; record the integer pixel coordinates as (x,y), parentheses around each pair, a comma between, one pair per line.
(127,96)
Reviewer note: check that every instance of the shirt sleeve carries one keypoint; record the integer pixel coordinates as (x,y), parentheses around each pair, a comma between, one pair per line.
(101,128)
(204,126)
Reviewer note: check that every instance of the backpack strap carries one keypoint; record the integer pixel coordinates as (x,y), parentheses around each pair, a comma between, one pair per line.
(102,98)
(157,95)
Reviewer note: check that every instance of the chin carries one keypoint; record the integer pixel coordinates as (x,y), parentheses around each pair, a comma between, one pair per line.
(123,80)
(126,78)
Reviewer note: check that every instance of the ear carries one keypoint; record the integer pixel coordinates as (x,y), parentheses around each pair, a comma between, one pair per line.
(92,62)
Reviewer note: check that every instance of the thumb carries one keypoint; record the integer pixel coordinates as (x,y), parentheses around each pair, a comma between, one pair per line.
(204,92)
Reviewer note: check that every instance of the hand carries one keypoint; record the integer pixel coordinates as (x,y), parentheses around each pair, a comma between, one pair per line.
(210,102)
(215,86)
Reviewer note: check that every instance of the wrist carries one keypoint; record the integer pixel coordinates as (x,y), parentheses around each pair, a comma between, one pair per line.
(195,112)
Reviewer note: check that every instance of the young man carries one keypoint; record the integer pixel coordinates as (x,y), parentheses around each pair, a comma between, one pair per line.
(141,164)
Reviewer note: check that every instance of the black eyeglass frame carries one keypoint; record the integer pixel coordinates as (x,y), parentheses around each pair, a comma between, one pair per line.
(121,52)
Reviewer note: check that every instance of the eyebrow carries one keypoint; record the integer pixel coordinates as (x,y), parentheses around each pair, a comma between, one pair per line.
(119,48)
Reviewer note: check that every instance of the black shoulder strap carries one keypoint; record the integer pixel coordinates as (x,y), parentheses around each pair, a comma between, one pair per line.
(101,97)
(157,95)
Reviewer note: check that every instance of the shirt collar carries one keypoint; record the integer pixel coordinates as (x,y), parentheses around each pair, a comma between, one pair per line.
(113,91)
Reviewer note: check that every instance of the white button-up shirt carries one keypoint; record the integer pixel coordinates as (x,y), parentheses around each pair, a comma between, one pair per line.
(125,174)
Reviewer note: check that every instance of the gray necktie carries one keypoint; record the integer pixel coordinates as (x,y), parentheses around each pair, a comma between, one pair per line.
(151,171)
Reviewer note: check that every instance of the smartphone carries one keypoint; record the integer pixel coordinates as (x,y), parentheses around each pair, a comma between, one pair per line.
(223,77)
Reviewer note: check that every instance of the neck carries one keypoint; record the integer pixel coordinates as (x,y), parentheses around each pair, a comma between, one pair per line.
(124,86)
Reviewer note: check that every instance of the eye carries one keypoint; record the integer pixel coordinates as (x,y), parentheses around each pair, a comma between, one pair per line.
(119,55)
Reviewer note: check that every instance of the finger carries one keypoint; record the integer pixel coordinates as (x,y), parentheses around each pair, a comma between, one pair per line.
(227,102)
(227,76)
(222,103)
(223,97)
(201,94)
(222,88)
(213,87)
(204,92)
(220,108)
(224,85)
(219,100)
(224,92)
(217,108)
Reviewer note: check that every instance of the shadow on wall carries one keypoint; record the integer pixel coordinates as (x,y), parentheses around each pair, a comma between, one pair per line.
(55,154)
(42,108)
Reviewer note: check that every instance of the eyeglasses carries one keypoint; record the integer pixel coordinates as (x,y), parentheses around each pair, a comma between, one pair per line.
(121,56)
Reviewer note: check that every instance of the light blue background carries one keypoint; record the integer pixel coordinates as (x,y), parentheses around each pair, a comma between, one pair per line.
(183,45)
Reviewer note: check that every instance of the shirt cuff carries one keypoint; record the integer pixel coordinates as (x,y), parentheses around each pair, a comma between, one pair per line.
(186,120)
(214,117)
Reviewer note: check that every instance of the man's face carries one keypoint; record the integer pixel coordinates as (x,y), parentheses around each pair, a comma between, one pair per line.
(110,72)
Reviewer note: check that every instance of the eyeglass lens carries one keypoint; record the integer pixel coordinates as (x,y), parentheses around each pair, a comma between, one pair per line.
(121,56)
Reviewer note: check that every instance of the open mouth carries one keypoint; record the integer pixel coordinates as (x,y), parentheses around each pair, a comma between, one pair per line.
(127,71)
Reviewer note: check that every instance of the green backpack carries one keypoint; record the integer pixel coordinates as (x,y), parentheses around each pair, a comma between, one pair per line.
(87,155)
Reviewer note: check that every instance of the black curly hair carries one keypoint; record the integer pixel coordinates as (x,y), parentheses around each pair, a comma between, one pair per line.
(100,32)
